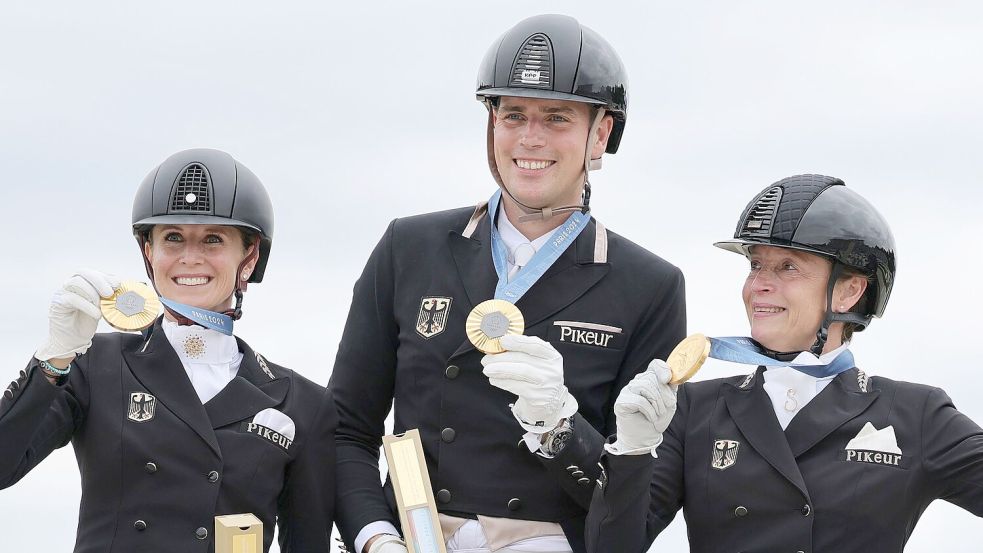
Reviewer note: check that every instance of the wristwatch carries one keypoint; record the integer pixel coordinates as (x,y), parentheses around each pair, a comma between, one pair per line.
(557,438)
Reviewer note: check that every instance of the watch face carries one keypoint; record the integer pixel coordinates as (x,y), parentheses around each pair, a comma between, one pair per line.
(557,440)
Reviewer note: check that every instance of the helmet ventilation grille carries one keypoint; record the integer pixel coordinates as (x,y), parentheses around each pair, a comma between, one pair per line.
(534,65)
(761,217)
(191,193)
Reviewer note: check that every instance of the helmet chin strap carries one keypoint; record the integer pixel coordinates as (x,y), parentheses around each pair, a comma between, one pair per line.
(541,213)
(830,317)
(241,284)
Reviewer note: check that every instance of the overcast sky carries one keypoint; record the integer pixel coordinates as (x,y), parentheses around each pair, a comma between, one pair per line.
(354,114)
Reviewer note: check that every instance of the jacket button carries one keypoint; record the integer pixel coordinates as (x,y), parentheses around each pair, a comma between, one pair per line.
(584,481)
(577,474)
(14,385)
(213,476)
(740,511)
(448,435)
(140,525)
(573,468)
(150,467)
(23,373)
(452,371)
(806,510)
(515,504)
(8,394)
(201,533)
(444,496)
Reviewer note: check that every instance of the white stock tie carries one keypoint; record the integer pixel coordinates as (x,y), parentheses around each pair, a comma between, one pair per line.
(520,258)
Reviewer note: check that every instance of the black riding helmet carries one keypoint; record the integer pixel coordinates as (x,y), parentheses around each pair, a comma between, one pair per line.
(206,187)
(554,56)
(820,215)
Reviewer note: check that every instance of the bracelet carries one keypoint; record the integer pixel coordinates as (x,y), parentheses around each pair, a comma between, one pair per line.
(54,371)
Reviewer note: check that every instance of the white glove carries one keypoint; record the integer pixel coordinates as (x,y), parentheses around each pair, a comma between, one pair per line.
(533,370)
(643,410)
(386,543)
(73,315)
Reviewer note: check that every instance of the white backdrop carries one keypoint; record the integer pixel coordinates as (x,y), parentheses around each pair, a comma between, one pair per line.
(353,114)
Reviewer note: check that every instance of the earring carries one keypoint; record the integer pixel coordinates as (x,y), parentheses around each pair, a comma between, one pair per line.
(245,275)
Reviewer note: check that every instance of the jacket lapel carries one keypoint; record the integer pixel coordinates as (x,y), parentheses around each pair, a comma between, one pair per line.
(752,411)
(473,259)
(156,365)
(570,277)
(251,391)
(840,402)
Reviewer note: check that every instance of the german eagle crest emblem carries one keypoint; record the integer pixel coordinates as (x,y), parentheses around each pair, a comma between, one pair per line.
(724,454)
(432,319)
(142,407)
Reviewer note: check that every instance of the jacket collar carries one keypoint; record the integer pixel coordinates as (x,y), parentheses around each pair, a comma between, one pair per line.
(841,401)
(255,387)
(576,271)
(751,410)
(844,399)
(156,365)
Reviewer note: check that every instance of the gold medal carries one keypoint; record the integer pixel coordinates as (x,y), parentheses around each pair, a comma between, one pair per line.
(687,357)
(489,321)
(133,307)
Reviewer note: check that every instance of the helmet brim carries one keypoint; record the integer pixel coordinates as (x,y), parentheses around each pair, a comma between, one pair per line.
(535,93)
(743,247)
(143,224)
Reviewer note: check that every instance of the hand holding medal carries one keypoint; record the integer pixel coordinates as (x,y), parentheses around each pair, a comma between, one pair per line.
(83,299)
(529,367)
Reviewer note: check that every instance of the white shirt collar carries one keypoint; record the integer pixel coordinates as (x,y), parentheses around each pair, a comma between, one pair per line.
(809,358)
(210,359)
(513,238)
(790,390)
(198,345)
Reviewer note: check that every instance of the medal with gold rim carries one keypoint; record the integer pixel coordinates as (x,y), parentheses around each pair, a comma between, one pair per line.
(134,307)
(489,321)
(687,357)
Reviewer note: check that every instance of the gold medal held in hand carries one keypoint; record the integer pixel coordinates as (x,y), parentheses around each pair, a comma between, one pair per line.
(134,307)
(687,357)
(489,321)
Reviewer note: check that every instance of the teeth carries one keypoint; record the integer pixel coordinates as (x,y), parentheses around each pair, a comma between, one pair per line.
(191,281)
(532,164)
(769,309)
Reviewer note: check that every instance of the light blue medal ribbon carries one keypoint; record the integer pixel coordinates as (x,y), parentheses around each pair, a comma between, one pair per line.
(739,349)
(559,241)
(208,319)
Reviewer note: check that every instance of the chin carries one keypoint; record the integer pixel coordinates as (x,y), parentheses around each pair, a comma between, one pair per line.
(193,300)
(768,340)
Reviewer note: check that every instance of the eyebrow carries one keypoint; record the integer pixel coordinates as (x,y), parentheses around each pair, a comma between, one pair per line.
(559,110)
(522,109)
(215,229)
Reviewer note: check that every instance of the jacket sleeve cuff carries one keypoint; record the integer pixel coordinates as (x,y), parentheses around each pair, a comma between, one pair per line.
(619,448)
(371,529)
